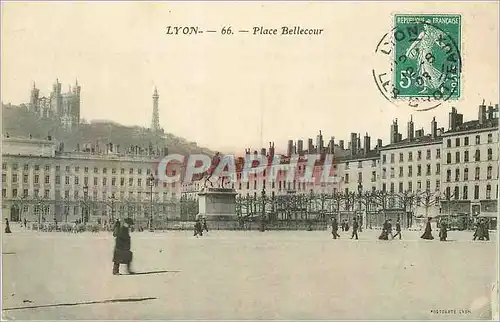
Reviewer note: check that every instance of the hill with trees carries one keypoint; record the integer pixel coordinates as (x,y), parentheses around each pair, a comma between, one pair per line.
(17,121)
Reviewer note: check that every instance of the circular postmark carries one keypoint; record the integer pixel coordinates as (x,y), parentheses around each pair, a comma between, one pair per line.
(418,61)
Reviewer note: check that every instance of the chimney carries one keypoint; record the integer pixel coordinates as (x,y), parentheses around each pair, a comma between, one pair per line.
(490,112)
(353,143)
(49,137)
(341,144)
(411,129)
(78,147)
(379,144)
(434,128)
(394,131)
(482,113)
(419,134)
(263,151)
(289,148)
(319,143)
(366,144)
(300,146)
(452,119)
(331,145)
(310,146)
(358,143)
(117,148)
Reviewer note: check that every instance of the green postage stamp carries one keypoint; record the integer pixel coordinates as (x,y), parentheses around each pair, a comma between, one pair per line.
(427,60)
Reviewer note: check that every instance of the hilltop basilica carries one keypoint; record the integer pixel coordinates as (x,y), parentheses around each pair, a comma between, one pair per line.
(64,106)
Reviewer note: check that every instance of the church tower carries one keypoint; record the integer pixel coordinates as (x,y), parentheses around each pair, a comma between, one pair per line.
(34,100)
(155,122)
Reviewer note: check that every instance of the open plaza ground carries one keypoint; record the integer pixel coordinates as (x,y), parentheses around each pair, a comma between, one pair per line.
(248,275)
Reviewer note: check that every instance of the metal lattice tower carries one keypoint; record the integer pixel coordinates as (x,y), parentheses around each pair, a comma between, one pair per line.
(155,122)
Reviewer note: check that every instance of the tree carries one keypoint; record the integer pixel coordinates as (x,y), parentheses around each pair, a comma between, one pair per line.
(349,201)
(427,199)
(381,199)
(338,197)
(406,199)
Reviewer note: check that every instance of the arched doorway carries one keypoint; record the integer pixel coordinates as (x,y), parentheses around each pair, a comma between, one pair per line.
(14,213)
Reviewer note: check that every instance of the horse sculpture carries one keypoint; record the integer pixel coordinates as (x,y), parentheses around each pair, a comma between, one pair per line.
(219,181)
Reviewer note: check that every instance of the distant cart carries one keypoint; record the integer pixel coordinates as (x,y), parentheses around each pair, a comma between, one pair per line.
(457,221)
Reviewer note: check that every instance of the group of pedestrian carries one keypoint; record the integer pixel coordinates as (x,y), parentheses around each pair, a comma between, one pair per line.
(345,227)
(481,232)
(200,226)
(387,230)
(443,230)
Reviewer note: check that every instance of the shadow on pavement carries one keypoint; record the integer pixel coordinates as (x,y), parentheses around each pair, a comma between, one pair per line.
(154,272)
(81,303)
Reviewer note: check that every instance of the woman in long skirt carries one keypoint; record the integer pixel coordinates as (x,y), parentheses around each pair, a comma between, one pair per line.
(385,231)
(428,231)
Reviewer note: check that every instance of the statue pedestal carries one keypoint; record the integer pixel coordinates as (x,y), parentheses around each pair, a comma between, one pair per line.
(217,205)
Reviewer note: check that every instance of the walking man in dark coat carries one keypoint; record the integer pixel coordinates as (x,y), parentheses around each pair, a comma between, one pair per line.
(7,226)
(428,230)
(398,230)
(116,228)
(486,231)
(122,253)
(205,227)
(443,230)
(389,229)
(198,230)
(335,228)
(355,227)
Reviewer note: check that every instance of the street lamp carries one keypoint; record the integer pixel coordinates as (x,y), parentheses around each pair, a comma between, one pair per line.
(151,182)
(360,218)
(112,198)
(263,209)
(85,195)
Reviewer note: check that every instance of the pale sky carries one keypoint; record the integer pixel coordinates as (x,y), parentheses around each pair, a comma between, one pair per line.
(213,88)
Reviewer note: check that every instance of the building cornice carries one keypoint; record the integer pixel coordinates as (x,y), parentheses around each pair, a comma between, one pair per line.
(411,144)
(471,131)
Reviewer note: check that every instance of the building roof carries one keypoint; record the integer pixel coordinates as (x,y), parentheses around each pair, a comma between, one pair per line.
(372,154)
(474,126)
(427,139)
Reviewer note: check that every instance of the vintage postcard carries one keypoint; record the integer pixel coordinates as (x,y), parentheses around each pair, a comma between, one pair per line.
(250,160)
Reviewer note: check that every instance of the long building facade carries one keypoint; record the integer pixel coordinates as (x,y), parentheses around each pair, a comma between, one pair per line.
(42,182)
(446,171)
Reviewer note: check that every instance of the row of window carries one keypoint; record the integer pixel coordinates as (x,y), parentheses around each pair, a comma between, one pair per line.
(477,156)
(466,140)
(465,193)
(410,186)
(428,171)
(76,180)
(410,156)
(477,174)
(36,167)
(76,194)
